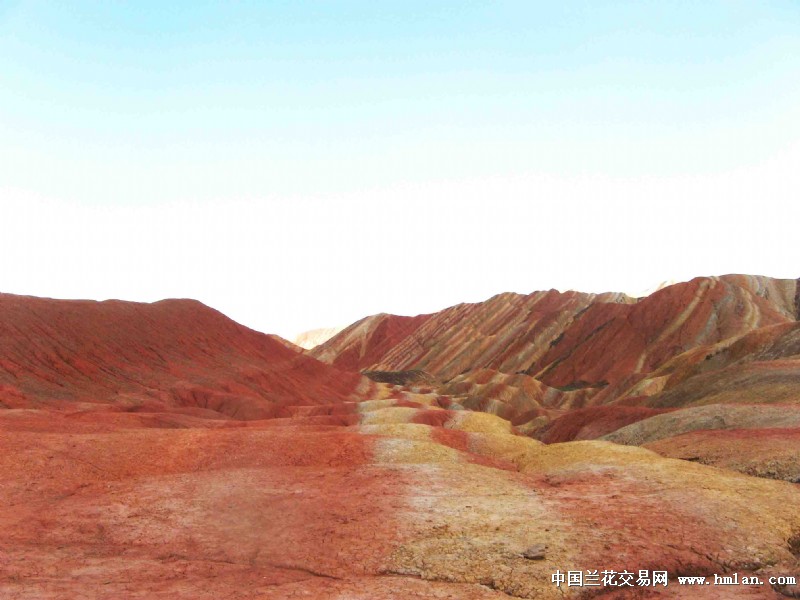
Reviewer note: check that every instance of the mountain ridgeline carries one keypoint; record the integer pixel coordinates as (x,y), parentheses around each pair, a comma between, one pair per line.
(570,365)
(608,347)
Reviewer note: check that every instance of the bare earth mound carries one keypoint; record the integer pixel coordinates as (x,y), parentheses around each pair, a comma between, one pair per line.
(772,453)
(170,356)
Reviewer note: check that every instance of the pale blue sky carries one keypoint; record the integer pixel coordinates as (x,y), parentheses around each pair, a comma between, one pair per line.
(300,164)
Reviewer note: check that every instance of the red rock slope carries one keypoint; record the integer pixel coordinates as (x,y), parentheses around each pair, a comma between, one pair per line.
(571,366)
(618,346)
(507,333)
(173,355)
(606,347)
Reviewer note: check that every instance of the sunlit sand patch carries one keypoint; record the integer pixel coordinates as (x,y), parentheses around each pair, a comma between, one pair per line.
(370,405)
(394,414)
(479,423)
(407,451)
(406,431)
(511,448)
(472,524)
(748,519)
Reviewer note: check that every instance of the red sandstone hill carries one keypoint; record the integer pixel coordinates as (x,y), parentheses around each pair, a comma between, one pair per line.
(169,356)
(575,366)
(507,333)
(604,346)
(565,366)
(127,469)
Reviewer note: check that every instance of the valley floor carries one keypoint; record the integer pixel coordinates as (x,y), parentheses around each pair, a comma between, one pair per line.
(390,498)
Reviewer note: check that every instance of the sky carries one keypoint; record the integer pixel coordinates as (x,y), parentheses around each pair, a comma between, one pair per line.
(304,164)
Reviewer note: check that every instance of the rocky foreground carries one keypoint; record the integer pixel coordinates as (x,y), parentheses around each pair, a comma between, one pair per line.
(393,498)
(163,451)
